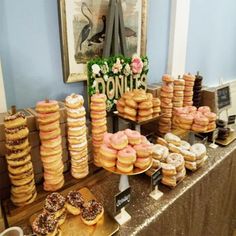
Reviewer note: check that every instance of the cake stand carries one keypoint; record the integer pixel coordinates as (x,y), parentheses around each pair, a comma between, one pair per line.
(191,135)
(124,216)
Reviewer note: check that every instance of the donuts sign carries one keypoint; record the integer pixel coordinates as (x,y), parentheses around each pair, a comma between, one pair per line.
(114,76)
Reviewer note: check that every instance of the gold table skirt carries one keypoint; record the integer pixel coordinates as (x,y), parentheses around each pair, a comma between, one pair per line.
(204,204)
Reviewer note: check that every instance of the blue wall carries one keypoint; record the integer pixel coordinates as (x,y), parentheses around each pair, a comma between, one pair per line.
(212,40)
(30,49)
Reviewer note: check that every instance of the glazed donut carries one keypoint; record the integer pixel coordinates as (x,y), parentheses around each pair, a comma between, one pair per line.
(201,120)
(140,98)
(167,78)
(124,167)
(127,156)
(189,77)
(171,138)
(174,148)
(49,134)
(74,202)
(166,95)
(130,111)
(98,98)
(184,145)
(149,96)
(14,121)
(176,159)
(190,165)
(47,118)
(131,103)
(204,109)
(156,163)
(128,95)
(166,100)
(186,119)
(199,128)
(74,101)
(188,155)
(50,151)
(167,88)
(78,155)
(145,105)
(143,150)
(120,108)
(119,140)
(77,139)
(162,141)
(121,102)
(188,103)
(99,122)
(211,116)
(199,150)
(145,112)
(156,109)
(179,88)
(49,127)
(177,99)
(133,118)
(200,162)
(211,126)
(168,169)
(71,122)
(107,152)
(54,142)
(189,83)
(169,181)
(143,163)
(179,82)
(106,162)
(20,132)
(134,137)
(76,131)
(156,102)
(47,106)
(178,94)
(144,140)
(187,99)
(76,113)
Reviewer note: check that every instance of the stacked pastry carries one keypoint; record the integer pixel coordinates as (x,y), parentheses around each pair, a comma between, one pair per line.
(18,158)
(77,137)
(99,123)
(197,90)
(125,150)
(188,89)
(51,149)
(156,103)
(167,93)
(137,105)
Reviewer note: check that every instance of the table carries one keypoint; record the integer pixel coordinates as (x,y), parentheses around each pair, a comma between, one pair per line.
(204,204)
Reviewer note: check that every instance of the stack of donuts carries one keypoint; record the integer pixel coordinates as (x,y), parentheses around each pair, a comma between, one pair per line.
(156,103)
(167,93)
(197,90)
(99,123)
(51,148)
(18,158)
(188,89)
(77,137)
(137,105)
(125,150)
(198,120)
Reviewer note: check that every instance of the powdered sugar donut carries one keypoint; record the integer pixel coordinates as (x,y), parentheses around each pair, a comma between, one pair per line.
(74,101)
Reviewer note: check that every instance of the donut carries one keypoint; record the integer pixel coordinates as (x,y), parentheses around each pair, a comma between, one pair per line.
(99,122)
(145,112)
(76,131)
(179,88)
(156,102)
(47,106)
(108,152)
(98,114)
(21,182)
(120,108)
(50,151)
(166,95)
(171,138)
(143,150)
(211,116)
(167,78)
(78,147)
(189,83)
(15,120)
(169,181)
(127,156)
(47,118)
(16,154)
(160,152)
(74,202)
(156,163)
(174,148)
(199,150)
(199,128)
(187,99)
(184,145)
(140,98)
(204,109)
(20,132)
(119,140)
(54,187)
(181,174)
(178,94)
(149,96)
(167,88)
(191,165)
(74,101)
(166,115)
(188,103)
(200,162)
(54,142)
(162,141)
(211,126)
(134,137)
(130,111)
(49,134)
(92,212)
(145,105)
(166,106)
(175,159)
(168,169)
(186,119)
(121,102)
(142,163)
(131,103)
(179,82)
(107,163)
(76,113)
(98,98)
(77,139)
(189,77)
(201,120)
(128,95)
(188,155)
(125,168)
(17,144)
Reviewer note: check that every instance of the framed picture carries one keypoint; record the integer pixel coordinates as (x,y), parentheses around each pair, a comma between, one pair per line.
(83,26)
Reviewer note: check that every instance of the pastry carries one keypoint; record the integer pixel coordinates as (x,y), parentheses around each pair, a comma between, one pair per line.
(15,120)
(74,202)
(119,140)
(127,156)
(134,137)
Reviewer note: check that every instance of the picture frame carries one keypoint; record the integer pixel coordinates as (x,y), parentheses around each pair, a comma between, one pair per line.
(76,44)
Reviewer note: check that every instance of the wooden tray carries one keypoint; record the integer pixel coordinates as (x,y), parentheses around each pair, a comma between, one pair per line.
(74,226)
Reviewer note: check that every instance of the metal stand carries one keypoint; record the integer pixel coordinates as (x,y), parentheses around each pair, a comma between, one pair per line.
(191,137)
(123,216)
(156,193)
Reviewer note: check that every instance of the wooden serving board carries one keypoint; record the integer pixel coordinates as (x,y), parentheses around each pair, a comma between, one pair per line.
(74,226)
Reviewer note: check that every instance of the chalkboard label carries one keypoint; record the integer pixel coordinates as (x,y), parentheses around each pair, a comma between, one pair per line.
(223,95)
(122,199)
(155,178)
(231,119)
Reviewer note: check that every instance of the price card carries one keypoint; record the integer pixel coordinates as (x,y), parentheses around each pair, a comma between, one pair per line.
(231,119)
(122,199)
(155,178)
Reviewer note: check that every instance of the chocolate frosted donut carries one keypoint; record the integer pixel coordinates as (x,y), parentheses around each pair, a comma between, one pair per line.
(91,210)
(75,199)
(15,116)
(44,224)
(15,120)
(54,202)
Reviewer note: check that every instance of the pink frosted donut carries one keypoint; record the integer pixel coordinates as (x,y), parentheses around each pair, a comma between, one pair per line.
(210,115)
(106,139)
(188,103)
(167,88)
(134,137)
(199,128)
(204,109)
(119,140)
(201,120)
(189,83)
(188,77)
(191,108)
(127,155)
(188,89)
(186,119)
(144,140)
(99,98)
(143,150)
(180,110)
(108,152)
